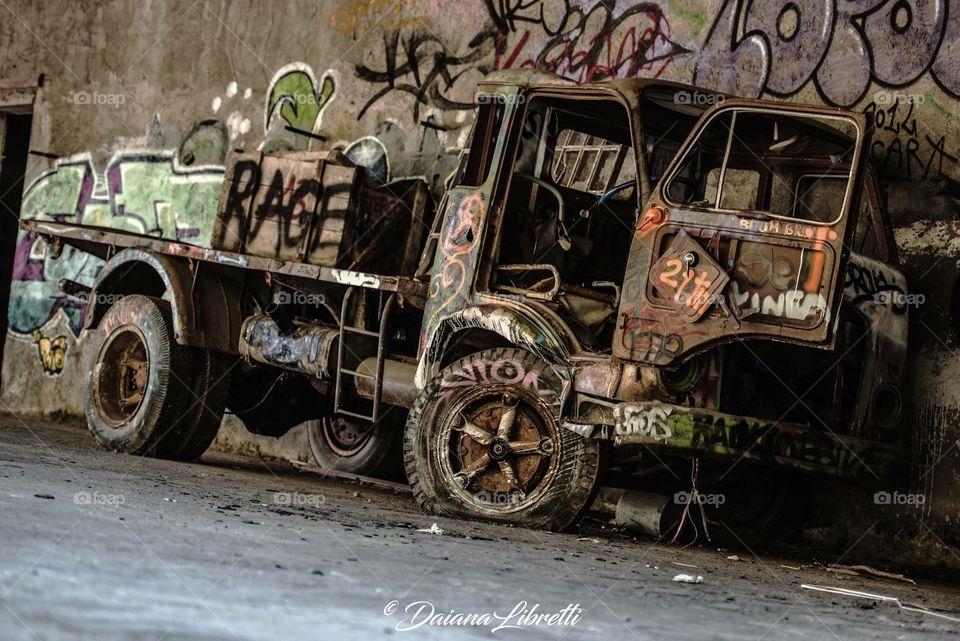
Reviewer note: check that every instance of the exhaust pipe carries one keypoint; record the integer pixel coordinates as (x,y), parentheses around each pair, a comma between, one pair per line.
(310,349)
(648,513)
(273,339)
(285,326)
(398,386)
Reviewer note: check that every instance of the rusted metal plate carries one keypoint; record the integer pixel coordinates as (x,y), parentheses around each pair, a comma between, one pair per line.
(687,276)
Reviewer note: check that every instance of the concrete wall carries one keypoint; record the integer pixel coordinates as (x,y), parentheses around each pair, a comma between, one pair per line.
(141,100)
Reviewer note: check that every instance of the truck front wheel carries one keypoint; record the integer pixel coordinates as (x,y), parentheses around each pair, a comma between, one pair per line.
(484,441)
(138,390)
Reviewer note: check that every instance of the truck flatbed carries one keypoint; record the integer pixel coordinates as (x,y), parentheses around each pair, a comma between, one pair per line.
(104,243)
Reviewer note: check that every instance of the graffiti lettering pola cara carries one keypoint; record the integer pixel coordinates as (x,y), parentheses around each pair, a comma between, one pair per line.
(780,46)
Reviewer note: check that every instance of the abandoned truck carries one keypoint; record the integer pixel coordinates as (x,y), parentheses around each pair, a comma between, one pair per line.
(629,278)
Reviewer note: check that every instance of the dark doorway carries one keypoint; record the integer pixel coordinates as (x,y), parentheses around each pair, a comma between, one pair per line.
(13,167)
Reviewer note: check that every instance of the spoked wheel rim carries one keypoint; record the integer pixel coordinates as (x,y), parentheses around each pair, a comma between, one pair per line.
(343,436)
(500,449)
(121,378)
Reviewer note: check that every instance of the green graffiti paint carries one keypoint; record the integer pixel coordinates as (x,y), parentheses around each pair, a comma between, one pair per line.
(295,95)
(703,432)
(141,192)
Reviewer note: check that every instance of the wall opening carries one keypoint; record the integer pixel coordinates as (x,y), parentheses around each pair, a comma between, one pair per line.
(15,132)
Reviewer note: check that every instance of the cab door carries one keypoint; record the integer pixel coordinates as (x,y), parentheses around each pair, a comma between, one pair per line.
(453,248)
(746,235)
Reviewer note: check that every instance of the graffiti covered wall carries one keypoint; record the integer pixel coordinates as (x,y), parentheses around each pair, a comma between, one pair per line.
(133,136)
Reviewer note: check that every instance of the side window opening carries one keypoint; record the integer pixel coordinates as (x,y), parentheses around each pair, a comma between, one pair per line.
(742,186)
(569,210)
(768,162)
(824,192)
(593,164)
(486,131)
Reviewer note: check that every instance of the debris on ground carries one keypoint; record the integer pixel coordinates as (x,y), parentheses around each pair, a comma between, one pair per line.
(909,607)
(733,557)
(685,565)
(858,570)
(688,578)
(587,538)
(433,529)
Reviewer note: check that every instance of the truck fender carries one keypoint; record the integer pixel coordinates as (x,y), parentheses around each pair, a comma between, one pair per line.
(522,327)
(211,320)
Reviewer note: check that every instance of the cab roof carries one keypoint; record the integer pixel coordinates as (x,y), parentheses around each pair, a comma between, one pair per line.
(631,88)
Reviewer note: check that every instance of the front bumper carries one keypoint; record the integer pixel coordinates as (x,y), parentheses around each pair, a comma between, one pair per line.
(700,432)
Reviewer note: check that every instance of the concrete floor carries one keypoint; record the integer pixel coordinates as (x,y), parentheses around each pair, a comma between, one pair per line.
(105,546)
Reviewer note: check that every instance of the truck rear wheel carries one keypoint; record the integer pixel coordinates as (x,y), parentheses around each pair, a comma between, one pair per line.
(484,441)
(341,444)
(210,385)
(137,386)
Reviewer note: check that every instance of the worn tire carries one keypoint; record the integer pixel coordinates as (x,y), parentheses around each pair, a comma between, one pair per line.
(137,382)
(377,453)
(210,386)
(550,492)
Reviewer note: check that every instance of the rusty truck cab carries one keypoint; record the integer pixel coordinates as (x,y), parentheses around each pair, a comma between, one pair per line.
(538,224)
(651,280)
